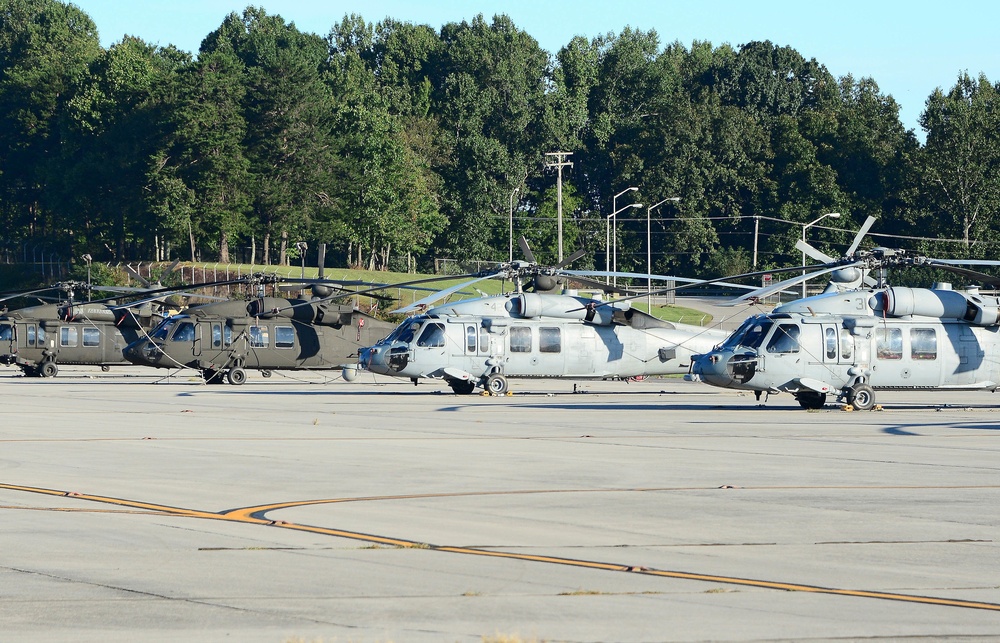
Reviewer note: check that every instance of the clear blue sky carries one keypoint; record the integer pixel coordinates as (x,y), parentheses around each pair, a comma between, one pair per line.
(908,47)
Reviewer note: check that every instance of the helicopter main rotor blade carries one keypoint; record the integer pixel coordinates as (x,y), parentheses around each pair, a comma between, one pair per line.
(166,272)
(642,275)
(865,227)
(950,266)
(522,243)
(818,255)
(570,259)
(760,293)
(145,282)
(441,294)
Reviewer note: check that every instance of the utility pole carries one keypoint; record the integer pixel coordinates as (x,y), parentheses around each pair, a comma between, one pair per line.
(560,162)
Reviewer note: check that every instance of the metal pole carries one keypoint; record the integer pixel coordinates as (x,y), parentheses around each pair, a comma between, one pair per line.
(756,229)
(511,239)
(649,252)
(559,163)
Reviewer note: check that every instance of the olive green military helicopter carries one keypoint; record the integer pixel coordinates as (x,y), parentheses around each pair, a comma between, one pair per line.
(224,340)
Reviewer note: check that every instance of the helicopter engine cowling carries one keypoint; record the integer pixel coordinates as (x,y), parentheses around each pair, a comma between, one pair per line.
(322,313)
(938,303)
(83,312)
(530,305)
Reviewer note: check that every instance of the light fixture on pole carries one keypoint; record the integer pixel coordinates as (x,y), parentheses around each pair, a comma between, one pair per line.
(88,259)
(607,231)
(649,252)
(832,215)
(511,211)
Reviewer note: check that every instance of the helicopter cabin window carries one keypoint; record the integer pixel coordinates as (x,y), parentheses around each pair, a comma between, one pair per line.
(259,337)
(216,335)
(549,340)
(470,339)
(284,337)
(91,337)
(31,335)
(484,340)
(889,343)
(785,339)
(41,336)
(846,344)
(923,343)
(432,336)
(831,343)
(520,339)
(184,333)
(6,332)
(68,336)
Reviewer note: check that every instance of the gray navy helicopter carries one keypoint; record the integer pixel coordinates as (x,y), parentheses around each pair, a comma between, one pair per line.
(223,340)
(486,341)
(862,335)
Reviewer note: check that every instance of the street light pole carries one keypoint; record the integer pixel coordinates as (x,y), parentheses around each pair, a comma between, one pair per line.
(88,259)
(607,241)
(832,215)
(649,252)
(614,236)
(511,240)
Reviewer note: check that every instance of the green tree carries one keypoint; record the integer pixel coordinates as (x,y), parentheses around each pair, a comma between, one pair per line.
(961,169)
(45,46)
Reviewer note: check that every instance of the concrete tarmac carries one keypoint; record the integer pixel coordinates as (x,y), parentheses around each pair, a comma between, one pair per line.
(304,509)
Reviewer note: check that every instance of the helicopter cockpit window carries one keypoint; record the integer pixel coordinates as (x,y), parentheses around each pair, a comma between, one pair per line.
(432,336)
(734,339)
(549,340)
(520,339)
(91,337)
(755,333)
(68,336)
(184,333)
(923,343)
(284,337)
(259,337)
(785,339)
(6,332)
(161,331)
(889,343)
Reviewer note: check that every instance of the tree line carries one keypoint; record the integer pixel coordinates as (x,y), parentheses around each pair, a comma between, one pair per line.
(397,143)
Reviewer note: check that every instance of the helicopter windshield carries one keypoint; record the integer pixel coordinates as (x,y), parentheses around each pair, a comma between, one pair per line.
(6,332)
(734,339)
(751,334)
(161,331)
(405,332)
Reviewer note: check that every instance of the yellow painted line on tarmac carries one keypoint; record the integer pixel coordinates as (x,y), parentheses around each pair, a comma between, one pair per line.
(255,515)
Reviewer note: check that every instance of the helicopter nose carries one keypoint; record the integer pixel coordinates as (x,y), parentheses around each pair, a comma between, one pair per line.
(712,369)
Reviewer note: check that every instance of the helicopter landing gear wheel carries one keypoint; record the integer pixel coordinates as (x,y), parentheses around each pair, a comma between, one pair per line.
(48,369)
(462,387)
(496,384)
(236,376)
(266,373)
(811,399)
(861,397)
